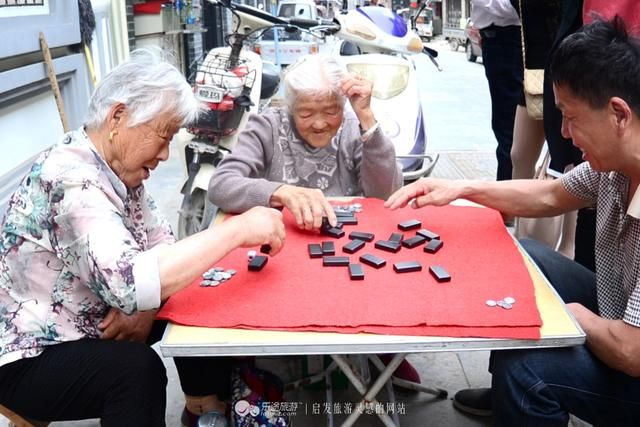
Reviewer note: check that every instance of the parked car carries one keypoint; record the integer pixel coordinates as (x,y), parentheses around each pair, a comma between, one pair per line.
(469,37)
(424,21)
(424,24)
(473,42)
(289,46)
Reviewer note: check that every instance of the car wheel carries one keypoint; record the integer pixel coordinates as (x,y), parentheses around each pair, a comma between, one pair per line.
(453,44)
(469,51)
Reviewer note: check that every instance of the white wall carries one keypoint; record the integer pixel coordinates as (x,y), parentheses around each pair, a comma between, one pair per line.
(27,127)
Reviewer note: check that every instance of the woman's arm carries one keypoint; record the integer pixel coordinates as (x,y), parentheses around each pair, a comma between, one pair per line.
(374,156)
(101,251)
(380,173)
(238,183)
(183,262)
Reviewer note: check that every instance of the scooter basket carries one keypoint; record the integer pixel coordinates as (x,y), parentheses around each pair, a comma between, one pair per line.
(218,123)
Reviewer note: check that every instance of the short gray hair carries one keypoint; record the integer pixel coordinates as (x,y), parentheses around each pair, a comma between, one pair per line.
(313,75)
(149,85)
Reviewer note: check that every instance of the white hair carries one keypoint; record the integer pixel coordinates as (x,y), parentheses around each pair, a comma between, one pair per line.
(313,75)
(149,85)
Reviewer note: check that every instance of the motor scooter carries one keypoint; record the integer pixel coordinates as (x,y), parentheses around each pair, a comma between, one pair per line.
(231,81)
(376,43)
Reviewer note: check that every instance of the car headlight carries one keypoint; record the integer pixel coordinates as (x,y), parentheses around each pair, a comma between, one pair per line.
(388,79)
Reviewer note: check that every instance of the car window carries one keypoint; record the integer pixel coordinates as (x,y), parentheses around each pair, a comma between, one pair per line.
(295,11)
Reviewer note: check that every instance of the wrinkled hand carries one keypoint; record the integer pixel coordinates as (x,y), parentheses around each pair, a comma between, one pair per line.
(120,326)
(358,90)
(261,226)
(308,205)
(425,191)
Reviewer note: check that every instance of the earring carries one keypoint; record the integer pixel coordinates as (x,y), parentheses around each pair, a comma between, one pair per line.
(110,137)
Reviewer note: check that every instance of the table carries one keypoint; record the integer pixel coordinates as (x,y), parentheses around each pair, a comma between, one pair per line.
(559,329)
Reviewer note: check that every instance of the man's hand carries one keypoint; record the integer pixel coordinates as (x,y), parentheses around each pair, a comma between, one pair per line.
(119,326)
(260,226)
(425,191)
(358,90)
(307,205)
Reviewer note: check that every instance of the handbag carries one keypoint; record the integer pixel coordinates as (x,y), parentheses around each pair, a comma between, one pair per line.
(257,398)
(556,232)
(533,83)
(533,86)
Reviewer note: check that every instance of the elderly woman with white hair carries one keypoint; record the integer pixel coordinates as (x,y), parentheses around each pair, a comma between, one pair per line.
(296,155)
(86,258)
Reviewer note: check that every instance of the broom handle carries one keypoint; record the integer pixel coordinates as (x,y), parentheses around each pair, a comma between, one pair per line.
(54,82)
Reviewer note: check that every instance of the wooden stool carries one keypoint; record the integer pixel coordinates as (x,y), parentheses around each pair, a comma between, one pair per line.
(16,420)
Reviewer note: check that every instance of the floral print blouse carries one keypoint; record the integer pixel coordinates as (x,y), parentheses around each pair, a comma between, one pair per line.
(74,243)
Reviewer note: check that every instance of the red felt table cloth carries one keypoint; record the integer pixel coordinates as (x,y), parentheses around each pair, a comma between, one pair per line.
(294,292)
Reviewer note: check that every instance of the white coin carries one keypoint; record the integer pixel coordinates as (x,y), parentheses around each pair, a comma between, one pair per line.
(491,303)
(510,300)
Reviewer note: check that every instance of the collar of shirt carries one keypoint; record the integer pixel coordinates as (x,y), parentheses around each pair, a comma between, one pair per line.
(633,209)
(116,183)
(634,206)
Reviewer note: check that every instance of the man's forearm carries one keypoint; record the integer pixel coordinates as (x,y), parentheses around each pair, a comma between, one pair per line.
(524,198)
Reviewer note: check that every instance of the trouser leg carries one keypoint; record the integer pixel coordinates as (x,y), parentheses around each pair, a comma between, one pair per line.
(542,387)
(572,281)
(122,383)
(502,58)
(199,376)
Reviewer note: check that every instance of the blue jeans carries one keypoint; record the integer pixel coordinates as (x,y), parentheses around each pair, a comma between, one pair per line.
(502,59)
(542,387)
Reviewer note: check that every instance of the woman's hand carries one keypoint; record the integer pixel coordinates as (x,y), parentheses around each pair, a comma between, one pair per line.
(260,226)
(425,191)
(358,90)
(308,205)
(120,326)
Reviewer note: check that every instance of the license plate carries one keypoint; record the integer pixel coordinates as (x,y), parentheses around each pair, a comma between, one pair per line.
(209,94)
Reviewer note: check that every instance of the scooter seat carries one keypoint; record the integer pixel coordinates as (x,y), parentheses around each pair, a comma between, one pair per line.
(270,80)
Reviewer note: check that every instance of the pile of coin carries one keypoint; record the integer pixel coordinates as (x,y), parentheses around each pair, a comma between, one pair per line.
(216,275)
(352,208)
(506,303)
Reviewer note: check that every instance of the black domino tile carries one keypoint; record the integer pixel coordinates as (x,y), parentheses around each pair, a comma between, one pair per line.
(362,235)
(430,235)
(265,249)
(433,246)
(373,260)
(348,220)
(407,266)
(440,273)
(335,232)
(356,272)
(388,246)
(258,262)
(335,261)
(315,250)
(328,248)
(414,241)
(396,237)
(409,224)
(353,246)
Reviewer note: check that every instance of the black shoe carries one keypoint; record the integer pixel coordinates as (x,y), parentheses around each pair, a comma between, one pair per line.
(474,401)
